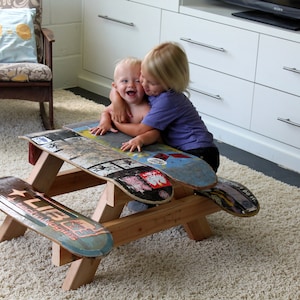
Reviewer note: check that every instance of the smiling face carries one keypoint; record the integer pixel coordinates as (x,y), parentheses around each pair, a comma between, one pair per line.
(151,86)
(127,82)
(164,68)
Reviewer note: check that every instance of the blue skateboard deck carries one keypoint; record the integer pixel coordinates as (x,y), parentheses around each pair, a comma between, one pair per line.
(76,233)
(140,182)
(180,166)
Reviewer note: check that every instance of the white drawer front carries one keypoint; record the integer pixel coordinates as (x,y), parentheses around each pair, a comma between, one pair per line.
(221,96)
(270,105)
(164,4)
(108,40)
(279,64)
(213,45)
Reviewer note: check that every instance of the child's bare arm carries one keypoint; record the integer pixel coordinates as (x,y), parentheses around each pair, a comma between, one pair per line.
(105,123)
(141,140)
(120,110)
(133,129)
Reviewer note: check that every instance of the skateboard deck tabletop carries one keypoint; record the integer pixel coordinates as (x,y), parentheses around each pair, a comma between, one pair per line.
(178,165)
(140,182)
(192,171)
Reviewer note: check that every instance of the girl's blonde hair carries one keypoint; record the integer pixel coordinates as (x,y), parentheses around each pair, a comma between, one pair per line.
(168,64)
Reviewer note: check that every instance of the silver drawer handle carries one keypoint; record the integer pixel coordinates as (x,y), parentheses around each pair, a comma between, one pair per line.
(202,44)
(291,70)
(116,20)
(288,121)
(207,94)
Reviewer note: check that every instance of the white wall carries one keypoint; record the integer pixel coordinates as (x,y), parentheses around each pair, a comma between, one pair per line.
(64,18)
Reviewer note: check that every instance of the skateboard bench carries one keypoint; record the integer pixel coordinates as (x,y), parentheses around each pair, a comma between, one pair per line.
(27,208)
(188,210)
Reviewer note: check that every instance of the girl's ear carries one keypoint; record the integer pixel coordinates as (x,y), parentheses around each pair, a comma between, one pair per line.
(113,85)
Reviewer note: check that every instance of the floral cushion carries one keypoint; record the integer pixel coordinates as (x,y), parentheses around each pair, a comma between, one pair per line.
(23,72)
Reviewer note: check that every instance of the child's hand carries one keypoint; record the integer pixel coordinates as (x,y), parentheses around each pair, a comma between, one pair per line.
(121,116)
(132,145)
(120,111)
(101,130)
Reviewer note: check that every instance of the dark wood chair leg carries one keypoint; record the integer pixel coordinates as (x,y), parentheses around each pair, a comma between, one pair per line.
(48,121)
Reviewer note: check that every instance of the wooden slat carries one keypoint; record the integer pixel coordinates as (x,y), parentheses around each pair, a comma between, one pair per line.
(182,211)
(73,180)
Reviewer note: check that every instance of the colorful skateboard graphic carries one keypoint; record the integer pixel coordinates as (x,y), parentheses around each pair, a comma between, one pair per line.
(79,235)
(140,182)
(230,196)
(180,166)
(233,197)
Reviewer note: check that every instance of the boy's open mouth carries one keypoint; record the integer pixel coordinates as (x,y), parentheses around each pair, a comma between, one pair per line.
(130,93)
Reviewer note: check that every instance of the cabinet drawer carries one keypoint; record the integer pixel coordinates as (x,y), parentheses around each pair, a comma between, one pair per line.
(279,64)
(124,29)
(220,47)
(276,115)
(221,96)
(164,4)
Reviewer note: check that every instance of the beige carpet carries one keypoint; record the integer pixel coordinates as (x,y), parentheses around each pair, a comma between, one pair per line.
(255,258)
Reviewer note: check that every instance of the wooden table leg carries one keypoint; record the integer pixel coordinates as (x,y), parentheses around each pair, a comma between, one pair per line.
(198,229)
(11,229)
(81,272)
(189,210)
(44,172)
(41,178)
(110,205)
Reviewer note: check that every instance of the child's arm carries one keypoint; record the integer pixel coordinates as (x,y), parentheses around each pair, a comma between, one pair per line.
(105,123)
(132,129)
(120,110)
(141,140)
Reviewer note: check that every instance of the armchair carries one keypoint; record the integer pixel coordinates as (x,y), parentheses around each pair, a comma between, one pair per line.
(27,79)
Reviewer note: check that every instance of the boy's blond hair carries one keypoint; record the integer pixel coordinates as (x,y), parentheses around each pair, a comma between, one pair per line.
(131,61)
(168,64)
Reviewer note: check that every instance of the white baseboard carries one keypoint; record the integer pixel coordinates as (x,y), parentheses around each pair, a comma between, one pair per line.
(282,154)
(95,84)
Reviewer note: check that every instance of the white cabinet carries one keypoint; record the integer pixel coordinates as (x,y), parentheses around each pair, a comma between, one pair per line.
(277,115)
(164,4)
(245,78)
(245,75)
(278,64)
(276,105)
(115,29)
(215,46)
(223,97)
(221,65)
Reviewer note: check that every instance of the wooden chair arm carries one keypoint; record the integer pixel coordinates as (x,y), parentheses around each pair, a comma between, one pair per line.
(48,39)
(48,35)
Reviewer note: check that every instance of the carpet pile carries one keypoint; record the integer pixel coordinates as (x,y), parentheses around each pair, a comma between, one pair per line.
(246,258)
